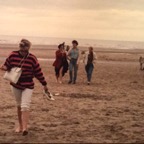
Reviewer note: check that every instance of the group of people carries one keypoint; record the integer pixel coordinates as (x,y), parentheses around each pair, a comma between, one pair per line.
(68,59)
(23,89)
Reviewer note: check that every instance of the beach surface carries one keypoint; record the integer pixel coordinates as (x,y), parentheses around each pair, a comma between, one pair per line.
(110,110)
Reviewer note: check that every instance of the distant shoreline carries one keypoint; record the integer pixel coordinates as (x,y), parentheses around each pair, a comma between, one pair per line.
(82,48)
(46,41)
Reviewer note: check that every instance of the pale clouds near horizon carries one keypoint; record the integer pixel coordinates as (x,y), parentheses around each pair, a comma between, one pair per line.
(93,19)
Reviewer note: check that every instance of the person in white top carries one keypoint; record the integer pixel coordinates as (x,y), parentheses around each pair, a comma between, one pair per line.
(89,61)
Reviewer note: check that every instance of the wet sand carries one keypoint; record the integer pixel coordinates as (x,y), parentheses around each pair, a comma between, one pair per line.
(110,110)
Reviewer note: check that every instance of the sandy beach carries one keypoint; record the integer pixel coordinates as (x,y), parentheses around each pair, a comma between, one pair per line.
(110,110)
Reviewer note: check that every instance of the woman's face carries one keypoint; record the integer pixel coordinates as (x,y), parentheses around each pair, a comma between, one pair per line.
(74,45)
(24,50)
(90,49)
(67,49)
(62,48)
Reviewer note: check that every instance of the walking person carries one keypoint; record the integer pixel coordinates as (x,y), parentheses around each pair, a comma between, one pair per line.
(23,89)
(74,57)
(61,63)
(89,60)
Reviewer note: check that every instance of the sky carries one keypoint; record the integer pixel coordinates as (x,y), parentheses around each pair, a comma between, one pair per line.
(90,19)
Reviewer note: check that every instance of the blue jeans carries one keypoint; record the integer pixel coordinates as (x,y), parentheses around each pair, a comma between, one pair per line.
(89,69)
(73,65)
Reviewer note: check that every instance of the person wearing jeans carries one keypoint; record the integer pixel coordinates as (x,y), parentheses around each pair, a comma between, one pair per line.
(89,60)
(89,69)
(74,57)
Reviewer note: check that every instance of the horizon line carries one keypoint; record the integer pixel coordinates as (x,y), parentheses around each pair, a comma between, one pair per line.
(72,38)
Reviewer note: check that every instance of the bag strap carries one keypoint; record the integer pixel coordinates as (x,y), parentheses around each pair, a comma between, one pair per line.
(23,60)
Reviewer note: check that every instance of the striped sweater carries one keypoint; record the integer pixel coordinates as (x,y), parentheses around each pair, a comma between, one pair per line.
(30,69)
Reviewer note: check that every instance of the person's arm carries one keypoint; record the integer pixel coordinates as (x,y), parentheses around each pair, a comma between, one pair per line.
(95,58)
(39,74)
(6,66)
(58,54)
(68,54)
(3,67)
(84,57)
(79,56)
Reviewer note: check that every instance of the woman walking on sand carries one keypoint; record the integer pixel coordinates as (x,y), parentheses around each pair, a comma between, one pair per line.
(74,57)
(23,89)
(61,63)
(89,60)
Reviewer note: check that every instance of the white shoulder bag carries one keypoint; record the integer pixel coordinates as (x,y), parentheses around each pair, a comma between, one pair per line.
(14,74)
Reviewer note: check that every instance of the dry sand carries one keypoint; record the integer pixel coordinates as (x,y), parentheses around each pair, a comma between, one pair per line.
(110,110)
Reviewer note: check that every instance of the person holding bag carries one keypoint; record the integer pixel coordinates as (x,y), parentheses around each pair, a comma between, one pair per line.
(14,73)
(23,87)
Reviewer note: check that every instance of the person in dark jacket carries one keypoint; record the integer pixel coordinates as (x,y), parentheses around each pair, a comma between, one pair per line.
(23,89)
(89,61)
(61,63)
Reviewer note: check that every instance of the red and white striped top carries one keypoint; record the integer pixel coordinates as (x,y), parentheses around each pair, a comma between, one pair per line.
(30,69)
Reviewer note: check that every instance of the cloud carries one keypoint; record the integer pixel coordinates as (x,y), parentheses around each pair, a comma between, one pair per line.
(96,19)
(75,4)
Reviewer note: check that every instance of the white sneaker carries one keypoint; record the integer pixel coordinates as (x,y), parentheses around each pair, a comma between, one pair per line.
(48,95)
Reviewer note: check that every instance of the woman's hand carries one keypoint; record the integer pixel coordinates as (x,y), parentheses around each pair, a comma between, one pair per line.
(3,67)
(68,57)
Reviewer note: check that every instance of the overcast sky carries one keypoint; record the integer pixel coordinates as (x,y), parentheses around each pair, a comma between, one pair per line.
(92,19)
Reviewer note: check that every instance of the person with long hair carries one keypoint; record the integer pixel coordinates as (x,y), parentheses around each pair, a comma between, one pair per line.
(23,89)
(89,61)
(60,63)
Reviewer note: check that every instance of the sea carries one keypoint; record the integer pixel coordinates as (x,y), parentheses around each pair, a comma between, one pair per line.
(4,39)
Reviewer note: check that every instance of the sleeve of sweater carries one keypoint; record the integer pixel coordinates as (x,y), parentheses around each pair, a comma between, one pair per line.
(84,57)
(38,73)
(79,57)
(8,60)
(58,54)
(95,58)
(68,54)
